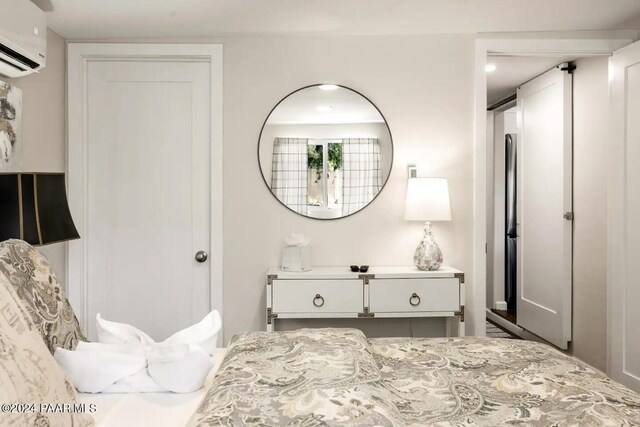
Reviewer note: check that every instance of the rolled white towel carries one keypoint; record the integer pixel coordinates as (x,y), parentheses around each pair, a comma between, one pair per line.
(125,368)
(120,333)
(93,371)
(203,334)
(128,360)
(133,349)
(179,368)
(138,383)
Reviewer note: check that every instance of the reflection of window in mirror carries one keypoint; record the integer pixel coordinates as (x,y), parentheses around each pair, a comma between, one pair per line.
(325,174)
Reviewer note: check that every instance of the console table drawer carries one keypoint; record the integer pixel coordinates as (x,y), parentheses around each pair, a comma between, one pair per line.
(414,295)
(320,296)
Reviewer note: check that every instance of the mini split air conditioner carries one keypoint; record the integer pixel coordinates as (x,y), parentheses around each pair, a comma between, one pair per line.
(23,38)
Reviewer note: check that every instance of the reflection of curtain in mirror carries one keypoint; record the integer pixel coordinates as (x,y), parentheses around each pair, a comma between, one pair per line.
(289,172)
(361,173)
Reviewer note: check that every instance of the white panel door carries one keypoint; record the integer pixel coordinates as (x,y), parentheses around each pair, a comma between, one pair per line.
(148,192)
(624,218)
(545,195)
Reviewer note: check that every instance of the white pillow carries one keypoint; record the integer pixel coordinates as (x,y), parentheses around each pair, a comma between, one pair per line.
(203,334)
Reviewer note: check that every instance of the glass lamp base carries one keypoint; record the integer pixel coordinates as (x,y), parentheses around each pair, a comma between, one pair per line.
(428,256)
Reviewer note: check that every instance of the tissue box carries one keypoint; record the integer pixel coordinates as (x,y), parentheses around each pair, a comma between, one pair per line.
(296,258)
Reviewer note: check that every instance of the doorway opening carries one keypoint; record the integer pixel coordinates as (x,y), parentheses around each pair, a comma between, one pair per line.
(530,195)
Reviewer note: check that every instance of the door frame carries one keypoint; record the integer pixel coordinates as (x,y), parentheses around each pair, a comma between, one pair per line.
(617,241)
(79,55)
(548,44)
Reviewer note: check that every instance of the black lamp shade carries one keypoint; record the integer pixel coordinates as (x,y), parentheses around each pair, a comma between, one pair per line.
(34,208)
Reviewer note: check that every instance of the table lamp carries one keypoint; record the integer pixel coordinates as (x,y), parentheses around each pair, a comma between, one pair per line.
(428,200)
(34,208)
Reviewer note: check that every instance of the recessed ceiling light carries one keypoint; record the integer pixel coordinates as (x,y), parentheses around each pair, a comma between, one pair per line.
(324,108)
(490,68)
(328,87)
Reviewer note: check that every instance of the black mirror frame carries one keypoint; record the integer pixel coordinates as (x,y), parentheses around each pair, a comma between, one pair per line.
(384,184)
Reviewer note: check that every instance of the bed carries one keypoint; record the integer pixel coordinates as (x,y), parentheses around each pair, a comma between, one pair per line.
(325,377)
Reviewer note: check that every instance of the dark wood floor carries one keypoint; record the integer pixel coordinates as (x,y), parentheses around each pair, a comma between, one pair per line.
(510,315)
(496,331)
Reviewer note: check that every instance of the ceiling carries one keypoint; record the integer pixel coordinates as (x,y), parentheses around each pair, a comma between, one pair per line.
(316,106)
(119,19)
(512,71)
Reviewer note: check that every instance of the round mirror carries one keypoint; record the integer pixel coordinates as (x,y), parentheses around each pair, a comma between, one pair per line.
(325,151)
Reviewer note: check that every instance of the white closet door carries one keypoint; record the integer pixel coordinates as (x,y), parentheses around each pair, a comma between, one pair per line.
(148,198)
(624,218)
(545,195)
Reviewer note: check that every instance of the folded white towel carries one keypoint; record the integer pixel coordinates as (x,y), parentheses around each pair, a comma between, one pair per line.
(95,370)
(203,333)
(128,360)
(179,374)
(134,349)
(120,333)
(138,383)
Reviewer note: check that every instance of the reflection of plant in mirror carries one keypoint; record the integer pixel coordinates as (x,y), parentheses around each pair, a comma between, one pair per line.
(314,156)
(334,176)
(325,192)
(314,160)
(335,157)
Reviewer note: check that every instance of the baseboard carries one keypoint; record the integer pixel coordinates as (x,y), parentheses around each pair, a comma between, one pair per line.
(504,323)
(501,305)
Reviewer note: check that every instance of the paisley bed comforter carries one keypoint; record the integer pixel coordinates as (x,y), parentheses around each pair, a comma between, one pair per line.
(336,377)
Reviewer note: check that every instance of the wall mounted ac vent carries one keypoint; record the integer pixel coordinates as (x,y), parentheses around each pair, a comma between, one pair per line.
(23,38)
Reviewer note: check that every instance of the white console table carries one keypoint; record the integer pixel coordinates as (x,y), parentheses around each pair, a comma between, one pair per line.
(336,292)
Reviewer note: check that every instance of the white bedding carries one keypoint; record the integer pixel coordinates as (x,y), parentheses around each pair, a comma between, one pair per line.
(149,409)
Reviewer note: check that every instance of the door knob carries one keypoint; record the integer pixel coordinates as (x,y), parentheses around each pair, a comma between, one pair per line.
(201,256)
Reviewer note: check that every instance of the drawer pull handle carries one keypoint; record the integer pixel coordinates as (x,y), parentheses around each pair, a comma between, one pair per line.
(414,300)
(318,301)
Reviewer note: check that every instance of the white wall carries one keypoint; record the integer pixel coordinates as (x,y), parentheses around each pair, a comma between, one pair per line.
(424,87)
(44,127)
(590,109)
